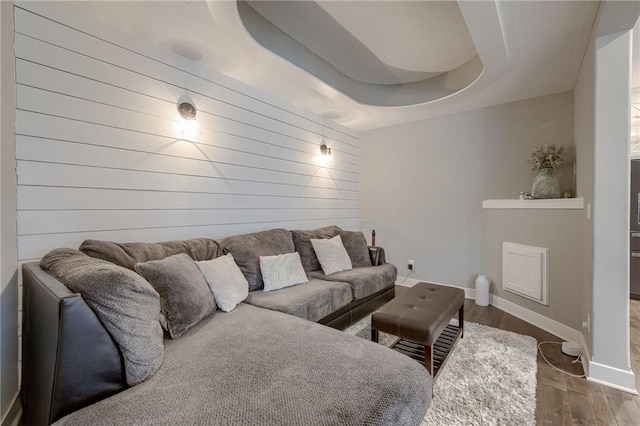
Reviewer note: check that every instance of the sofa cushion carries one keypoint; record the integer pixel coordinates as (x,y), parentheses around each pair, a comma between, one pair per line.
(126,304)
(364,281)
(331,254)
(259,367)
(247,249)
(228,285)
(282,270)
(313,300)
(128,254)
(185,297)
(302,243)
(356,245)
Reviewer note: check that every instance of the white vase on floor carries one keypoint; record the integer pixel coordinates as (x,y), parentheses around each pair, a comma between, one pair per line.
(482,290)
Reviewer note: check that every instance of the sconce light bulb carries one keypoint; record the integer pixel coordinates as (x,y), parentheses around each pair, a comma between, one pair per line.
(187,111)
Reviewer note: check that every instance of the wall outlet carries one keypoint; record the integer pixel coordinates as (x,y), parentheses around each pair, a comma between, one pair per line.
(410,264)
(587,324)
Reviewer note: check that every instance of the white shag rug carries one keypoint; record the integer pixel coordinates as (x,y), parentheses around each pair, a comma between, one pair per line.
(489,378)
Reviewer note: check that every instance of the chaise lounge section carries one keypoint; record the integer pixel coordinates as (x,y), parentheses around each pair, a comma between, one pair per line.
(268,361)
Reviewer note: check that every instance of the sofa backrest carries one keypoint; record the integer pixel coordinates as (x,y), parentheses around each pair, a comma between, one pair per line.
(128,254)
(246,250)
(302,243)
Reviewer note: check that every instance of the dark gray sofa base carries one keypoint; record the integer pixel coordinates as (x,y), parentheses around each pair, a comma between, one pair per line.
(69,359)
(358,309)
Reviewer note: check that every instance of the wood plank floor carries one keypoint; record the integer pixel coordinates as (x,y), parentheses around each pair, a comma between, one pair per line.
(562,399)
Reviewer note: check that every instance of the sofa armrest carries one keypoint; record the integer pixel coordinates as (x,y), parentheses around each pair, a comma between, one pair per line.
(377,255)
(69,359)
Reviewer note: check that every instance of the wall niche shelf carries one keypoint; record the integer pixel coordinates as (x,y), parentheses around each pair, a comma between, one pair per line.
(556,203)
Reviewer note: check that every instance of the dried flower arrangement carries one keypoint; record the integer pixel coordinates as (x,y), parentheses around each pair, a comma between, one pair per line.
(546,157)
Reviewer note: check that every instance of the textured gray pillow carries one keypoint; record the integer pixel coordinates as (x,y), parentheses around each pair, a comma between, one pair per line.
(126,304)
(128,254)
(356,245)
(185,297)
(247,249)
(302,243)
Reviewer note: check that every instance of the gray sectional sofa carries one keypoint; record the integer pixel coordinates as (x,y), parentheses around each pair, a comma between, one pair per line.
(272,360)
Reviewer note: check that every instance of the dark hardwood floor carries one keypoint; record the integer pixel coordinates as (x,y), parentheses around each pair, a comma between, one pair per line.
(562,399)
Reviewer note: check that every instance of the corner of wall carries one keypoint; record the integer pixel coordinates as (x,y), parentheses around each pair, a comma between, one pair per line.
(8,236)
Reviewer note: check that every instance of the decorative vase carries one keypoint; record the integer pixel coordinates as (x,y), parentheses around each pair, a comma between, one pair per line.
(482,290)
(545,185)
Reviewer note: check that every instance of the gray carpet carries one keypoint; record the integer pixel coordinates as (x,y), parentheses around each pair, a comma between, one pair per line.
(489,379)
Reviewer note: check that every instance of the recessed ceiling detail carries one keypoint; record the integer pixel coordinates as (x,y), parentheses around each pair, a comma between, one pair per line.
(377,53)
(376,42)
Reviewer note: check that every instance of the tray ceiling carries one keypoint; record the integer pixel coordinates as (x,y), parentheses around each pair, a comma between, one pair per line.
(543,43)
(376,42)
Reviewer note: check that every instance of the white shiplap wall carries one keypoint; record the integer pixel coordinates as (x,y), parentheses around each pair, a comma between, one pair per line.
(99,154)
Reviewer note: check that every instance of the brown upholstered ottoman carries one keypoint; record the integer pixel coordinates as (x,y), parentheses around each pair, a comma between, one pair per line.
(420,317)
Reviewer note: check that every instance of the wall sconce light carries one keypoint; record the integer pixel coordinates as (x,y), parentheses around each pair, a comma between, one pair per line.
(325,150)
(325,156)
(187,111)
(189,127)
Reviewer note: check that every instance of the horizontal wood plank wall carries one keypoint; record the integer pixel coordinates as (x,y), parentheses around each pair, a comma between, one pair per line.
(100,154)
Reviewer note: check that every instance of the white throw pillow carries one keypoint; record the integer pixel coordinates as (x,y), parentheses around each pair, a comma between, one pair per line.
(332,255)
(282,271)
(228,285)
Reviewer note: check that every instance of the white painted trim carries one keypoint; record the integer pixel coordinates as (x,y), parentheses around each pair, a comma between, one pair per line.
(558,203)
(14,414)
(469,293)
(547,324)
(612,377)
(586,355)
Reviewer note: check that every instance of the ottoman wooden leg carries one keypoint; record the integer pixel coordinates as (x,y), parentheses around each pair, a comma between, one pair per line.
(428,359)
(461,321)
(374,335)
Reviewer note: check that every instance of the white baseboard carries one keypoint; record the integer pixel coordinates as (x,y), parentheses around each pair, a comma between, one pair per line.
(13,416)
(547,324)
(612,377)
(586,355)
(469,293)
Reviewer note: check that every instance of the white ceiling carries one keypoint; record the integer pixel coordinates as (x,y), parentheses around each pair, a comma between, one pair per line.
(545,43)
(362,39)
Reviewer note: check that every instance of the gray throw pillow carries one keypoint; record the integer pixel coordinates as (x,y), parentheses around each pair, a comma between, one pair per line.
(302,243)
(228,285)
(185,297)
(246,249)
(126,304)
(356,245)
(128,254)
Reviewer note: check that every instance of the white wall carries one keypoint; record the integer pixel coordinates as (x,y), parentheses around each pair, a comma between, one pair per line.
(602,97)
(99,153)
(423,182)
(8,253)
(611,204)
